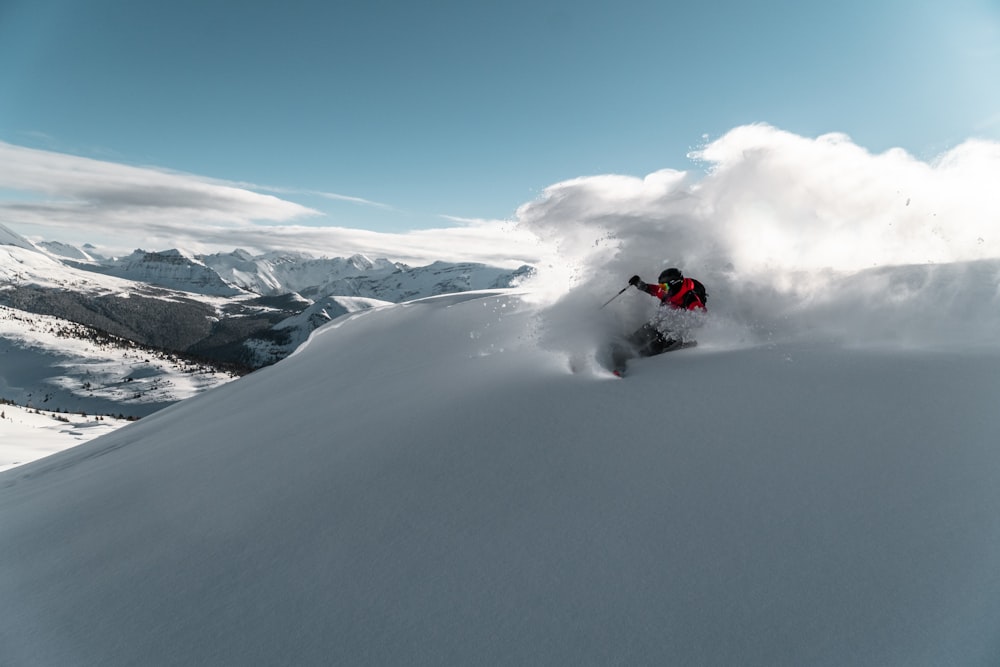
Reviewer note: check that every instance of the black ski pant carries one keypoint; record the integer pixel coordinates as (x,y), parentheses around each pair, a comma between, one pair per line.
(647,341)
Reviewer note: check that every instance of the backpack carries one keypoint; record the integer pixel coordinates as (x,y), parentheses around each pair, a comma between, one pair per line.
(699,289)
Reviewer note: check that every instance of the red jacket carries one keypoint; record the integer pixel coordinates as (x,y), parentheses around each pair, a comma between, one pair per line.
(685,298)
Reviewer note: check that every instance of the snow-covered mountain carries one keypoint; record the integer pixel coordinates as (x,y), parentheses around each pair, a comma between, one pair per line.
(456,481)
(10,238)
(286,336)
(360,276)
(272,274)
(64,250)
(231,308)
(83,333)
(172,269)
(280,273)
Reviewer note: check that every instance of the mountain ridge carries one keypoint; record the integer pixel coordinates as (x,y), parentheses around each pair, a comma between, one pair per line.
(234,312)
(212,304)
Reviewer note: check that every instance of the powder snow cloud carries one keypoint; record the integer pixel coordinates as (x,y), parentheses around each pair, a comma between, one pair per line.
(786,231)
(772,201)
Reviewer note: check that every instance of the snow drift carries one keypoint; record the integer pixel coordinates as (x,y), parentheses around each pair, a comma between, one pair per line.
(455,481)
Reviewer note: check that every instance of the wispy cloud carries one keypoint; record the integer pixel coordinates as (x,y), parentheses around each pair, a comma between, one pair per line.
(354,200)
(85,191)
(471,222)
(333,196)
(47,195)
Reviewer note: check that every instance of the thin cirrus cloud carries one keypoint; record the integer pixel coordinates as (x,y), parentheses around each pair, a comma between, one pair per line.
(332,196)
(55,196)
(354,200)
(56,189)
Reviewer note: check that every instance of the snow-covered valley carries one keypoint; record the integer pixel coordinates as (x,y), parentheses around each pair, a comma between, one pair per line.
(30,433)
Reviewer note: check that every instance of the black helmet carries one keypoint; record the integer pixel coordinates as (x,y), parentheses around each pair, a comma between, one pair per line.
(670,276)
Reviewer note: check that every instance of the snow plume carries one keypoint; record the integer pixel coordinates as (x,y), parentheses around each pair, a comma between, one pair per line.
(784,202)
(791,235)
(594,227)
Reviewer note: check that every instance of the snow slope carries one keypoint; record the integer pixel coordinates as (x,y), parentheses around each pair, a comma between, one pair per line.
(295,330)
(430,483)
(71,372)
(52,363)
(455,481)
(27,434)
(11,238)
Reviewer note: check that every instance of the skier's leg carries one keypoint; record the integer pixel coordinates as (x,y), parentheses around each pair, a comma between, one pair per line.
(621,350)
(668,334)
(646,340)
(658,342)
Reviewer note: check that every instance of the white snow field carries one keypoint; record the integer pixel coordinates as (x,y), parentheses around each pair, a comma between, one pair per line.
(455,481)
(76,388)
(27,434)
(429,483)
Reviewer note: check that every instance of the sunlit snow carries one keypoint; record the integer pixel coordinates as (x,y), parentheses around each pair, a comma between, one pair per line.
(456,481)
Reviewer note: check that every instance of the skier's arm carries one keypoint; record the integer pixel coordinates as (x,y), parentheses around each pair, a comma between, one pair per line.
(652,289)
(639,284)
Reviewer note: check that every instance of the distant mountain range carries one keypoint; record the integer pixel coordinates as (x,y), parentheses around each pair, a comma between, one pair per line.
(239,273)
(234,310)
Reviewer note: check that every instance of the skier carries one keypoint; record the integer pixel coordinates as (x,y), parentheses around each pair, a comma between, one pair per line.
(682,302)
(673,289)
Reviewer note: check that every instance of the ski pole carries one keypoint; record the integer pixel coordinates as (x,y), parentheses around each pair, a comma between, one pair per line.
(615,296)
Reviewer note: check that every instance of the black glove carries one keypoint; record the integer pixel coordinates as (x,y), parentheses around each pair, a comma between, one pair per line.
(634,281)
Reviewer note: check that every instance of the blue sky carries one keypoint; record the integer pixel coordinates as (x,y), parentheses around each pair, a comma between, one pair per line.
(409,114)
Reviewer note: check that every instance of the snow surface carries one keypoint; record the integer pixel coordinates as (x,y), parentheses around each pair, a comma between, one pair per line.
(24,265)
(27,434)
(50,360)
(455,481)
(64,250)
(61,369)
(12,238)
(173,269)
(431,483)
(300,327)
(277,273)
